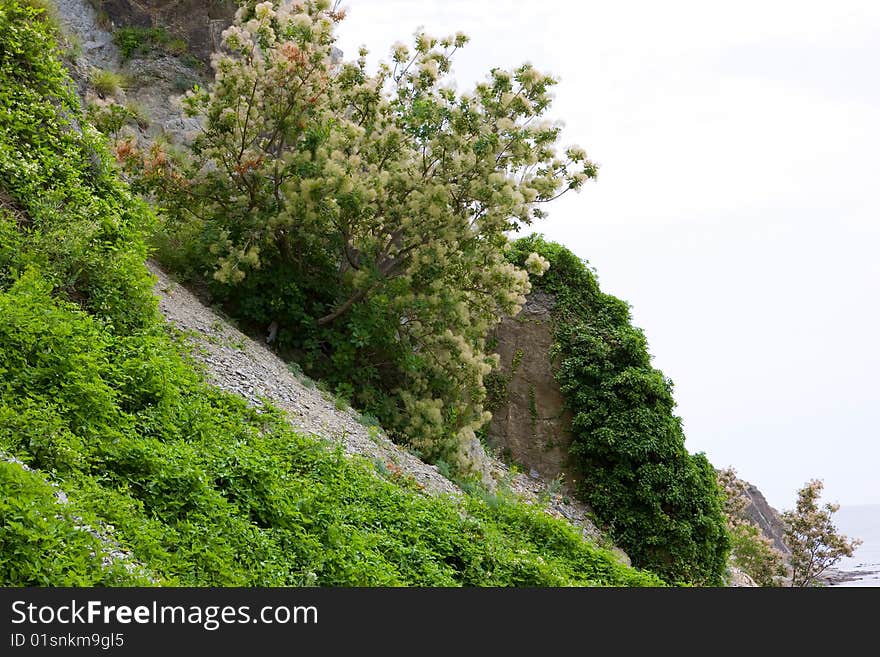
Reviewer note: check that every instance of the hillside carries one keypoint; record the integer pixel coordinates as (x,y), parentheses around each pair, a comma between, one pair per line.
(238,364)
(123,465)
(182,405)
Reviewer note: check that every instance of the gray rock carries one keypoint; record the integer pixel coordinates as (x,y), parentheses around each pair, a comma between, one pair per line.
(766,517)
(79,17)
(530,421)
(737,578)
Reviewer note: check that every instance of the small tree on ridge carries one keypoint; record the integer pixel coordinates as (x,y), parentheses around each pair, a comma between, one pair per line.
(813,539)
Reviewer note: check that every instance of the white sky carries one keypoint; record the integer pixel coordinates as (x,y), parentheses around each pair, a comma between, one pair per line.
(736,208)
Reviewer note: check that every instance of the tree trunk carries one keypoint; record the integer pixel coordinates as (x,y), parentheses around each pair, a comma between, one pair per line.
(344,308)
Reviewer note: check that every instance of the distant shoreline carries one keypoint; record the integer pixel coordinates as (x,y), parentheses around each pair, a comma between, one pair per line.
(834,577)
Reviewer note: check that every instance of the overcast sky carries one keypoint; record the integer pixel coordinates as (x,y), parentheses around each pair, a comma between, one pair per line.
(736,208)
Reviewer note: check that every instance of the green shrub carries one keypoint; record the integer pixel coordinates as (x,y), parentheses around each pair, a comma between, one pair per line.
(661,504)
(110,118)
(138,113)
(177,47)
(47,11)
(106,83)
(42,542)
(131,40)
(755,555)
(84,230)
(141,41)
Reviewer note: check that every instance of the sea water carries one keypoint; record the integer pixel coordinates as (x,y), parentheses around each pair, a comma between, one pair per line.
(861,522)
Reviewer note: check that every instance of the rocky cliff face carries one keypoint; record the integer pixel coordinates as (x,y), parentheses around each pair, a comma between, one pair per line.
(155,81)
(766,517)
(530,423)
(197,22)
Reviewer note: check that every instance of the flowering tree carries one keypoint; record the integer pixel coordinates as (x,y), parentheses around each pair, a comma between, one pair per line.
(366,213)
(812,537)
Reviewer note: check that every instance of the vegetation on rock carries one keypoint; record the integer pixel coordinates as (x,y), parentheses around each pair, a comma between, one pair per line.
(661,504)
(139,41)
(363,218)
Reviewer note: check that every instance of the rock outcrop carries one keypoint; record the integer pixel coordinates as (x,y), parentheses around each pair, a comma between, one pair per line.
(530,423)
(765,517)
(155,82)
(79,17)
(738,578)
(197,22)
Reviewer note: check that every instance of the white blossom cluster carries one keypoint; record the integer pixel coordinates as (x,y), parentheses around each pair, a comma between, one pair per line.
(536,264)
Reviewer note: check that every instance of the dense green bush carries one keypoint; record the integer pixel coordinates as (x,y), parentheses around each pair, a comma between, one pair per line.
(196,486)
(42,542)
(661,504)
(62,208)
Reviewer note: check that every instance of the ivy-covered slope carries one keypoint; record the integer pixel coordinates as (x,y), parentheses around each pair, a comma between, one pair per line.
(198,488)
(661,504)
